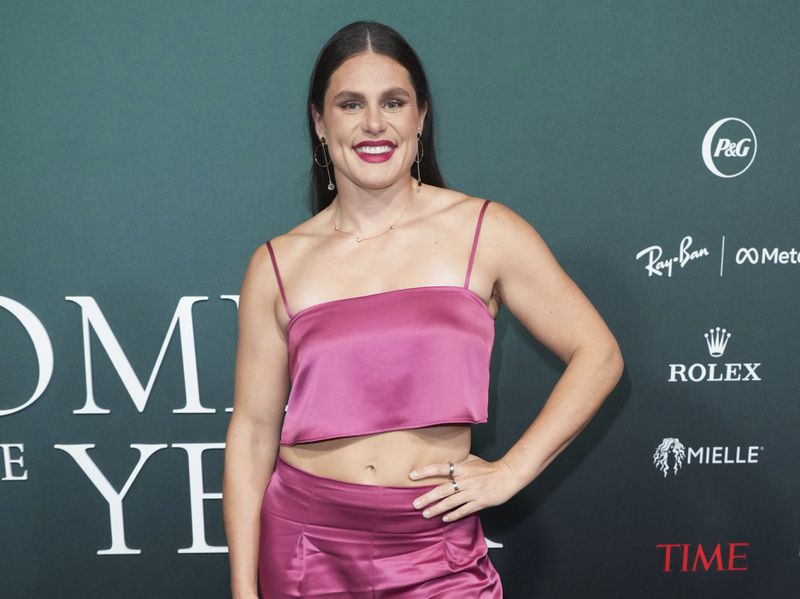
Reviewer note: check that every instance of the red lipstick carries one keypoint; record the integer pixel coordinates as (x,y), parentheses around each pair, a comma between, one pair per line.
(379,150)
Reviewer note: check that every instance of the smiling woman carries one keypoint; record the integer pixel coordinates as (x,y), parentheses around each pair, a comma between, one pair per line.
(348,470)
(370,114)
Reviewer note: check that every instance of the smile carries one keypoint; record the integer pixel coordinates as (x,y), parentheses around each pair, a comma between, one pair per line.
(375,153)
(374,149)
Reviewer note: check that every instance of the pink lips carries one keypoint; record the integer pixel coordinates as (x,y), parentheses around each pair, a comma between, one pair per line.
(382,157)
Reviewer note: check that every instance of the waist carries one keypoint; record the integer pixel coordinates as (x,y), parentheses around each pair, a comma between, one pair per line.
(383,458)
(301,498)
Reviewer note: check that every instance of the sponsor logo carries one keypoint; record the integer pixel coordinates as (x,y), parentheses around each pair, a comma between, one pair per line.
(688,557)
(671,455)
(670,449)
(729,147)
(657,265)
(717,342)
(659,262)
(767,256)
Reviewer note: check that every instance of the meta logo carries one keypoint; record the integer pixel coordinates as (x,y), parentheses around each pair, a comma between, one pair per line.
(729,147)
(671,455)
(716,342)
(686,557)
(767,256)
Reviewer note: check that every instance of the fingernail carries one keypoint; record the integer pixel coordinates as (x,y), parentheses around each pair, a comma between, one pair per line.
(426,513)
(413,474)
(417,502)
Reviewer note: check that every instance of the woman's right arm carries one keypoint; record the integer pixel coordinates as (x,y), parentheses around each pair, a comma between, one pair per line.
(261,384)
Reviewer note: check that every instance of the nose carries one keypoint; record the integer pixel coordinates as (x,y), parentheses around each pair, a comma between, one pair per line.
(373,120)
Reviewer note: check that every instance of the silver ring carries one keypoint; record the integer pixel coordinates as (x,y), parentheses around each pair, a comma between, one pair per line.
(455,487)
(452,468)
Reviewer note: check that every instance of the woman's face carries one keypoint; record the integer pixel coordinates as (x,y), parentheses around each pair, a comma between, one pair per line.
(370,98)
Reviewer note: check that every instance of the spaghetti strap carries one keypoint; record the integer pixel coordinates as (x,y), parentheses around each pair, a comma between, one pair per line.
(278,277)
(475,242)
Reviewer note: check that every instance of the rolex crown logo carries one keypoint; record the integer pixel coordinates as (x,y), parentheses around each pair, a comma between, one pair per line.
(717,340)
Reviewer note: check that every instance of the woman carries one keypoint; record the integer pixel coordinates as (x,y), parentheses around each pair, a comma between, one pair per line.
(380,308)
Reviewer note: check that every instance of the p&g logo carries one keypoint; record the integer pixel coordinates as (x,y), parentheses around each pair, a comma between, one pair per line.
(729,147)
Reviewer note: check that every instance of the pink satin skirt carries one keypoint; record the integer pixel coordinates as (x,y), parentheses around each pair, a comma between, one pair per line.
(321,537)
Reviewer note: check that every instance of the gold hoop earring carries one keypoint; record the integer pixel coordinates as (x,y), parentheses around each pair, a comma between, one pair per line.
(322,145)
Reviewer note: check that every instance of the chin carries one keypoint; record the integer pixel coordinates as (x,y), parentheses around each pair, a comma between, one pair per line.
(375,184)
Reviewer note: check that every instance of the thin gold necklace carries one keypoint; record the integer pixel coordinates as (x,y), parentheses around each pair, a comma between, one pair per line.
(360,239)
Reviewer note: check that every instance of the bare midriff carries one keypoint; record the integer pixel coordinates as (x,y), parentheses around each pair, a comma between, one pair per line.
(383,458)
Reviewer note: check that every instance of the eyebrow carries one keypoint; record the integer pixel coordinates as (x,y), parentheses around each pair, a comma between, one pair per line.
(395,91)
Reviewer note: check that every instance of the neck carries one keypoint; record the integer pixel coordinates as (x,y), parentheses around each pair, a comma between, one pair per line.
(369,212)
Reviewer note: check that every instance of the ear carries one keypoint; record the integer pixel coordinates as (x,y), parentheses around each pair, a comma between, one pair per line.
(422,112)
(319,127)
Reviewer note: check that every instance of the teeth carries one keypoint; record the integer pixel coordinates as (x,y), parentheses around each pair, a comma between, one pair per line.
(374,149)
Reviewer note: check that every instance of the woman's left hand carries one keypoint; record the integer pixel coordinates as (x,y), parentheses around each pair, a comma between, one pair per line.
(481,484)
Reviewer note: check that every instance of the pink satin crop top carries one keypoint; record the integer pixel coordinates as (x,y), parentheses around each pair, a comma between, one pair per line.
(393,360)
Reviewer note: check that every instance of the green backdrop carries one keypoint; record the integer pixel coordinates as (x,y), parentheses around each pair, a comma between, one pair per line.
(147,148)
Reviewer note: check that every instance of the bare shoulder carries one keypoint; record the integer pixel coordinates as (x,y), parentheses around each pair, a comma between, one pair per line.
(514,256)
(259,285)
(500,220)
(503,231)
(260,280)
(261,288)
(506,233)
(290,246)
(457,208)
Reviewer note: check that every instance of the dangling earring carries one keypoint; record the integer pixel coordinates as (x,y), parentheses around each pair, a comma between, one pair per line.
(420,154)
(331,186)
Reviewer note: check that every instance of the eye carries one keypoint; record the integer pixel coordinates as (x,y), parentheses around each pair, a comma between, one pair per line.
(394,104)
(350,106)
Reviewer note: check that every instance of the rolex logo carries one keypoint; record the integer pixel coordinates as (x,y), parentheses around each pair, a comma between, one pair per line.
(713,372)
(717,340)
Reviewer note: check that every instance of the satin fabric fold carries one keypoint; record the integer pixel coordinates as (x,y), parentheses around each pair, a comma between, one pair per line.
(322,537)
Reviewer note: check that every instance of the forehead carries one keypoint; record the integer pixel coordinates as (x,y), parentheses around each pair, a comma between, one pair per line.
(369,72)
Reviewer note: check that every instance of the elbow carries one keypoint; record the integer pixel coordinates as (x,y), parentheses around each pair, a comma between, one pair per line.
(606,358)
(614,362)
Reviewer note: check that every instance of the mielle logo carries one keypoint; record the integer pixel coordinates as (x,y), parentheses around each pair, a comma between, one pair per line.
(687,557)
(717,342)
(671,454)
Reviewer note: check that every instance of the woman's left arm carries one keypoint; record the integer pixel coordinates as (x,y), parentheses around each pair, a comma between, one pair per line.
(555,311)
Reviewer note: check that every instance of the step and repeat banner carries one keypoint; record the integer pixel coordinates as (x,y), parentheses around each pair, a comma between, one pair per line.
(147,148)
